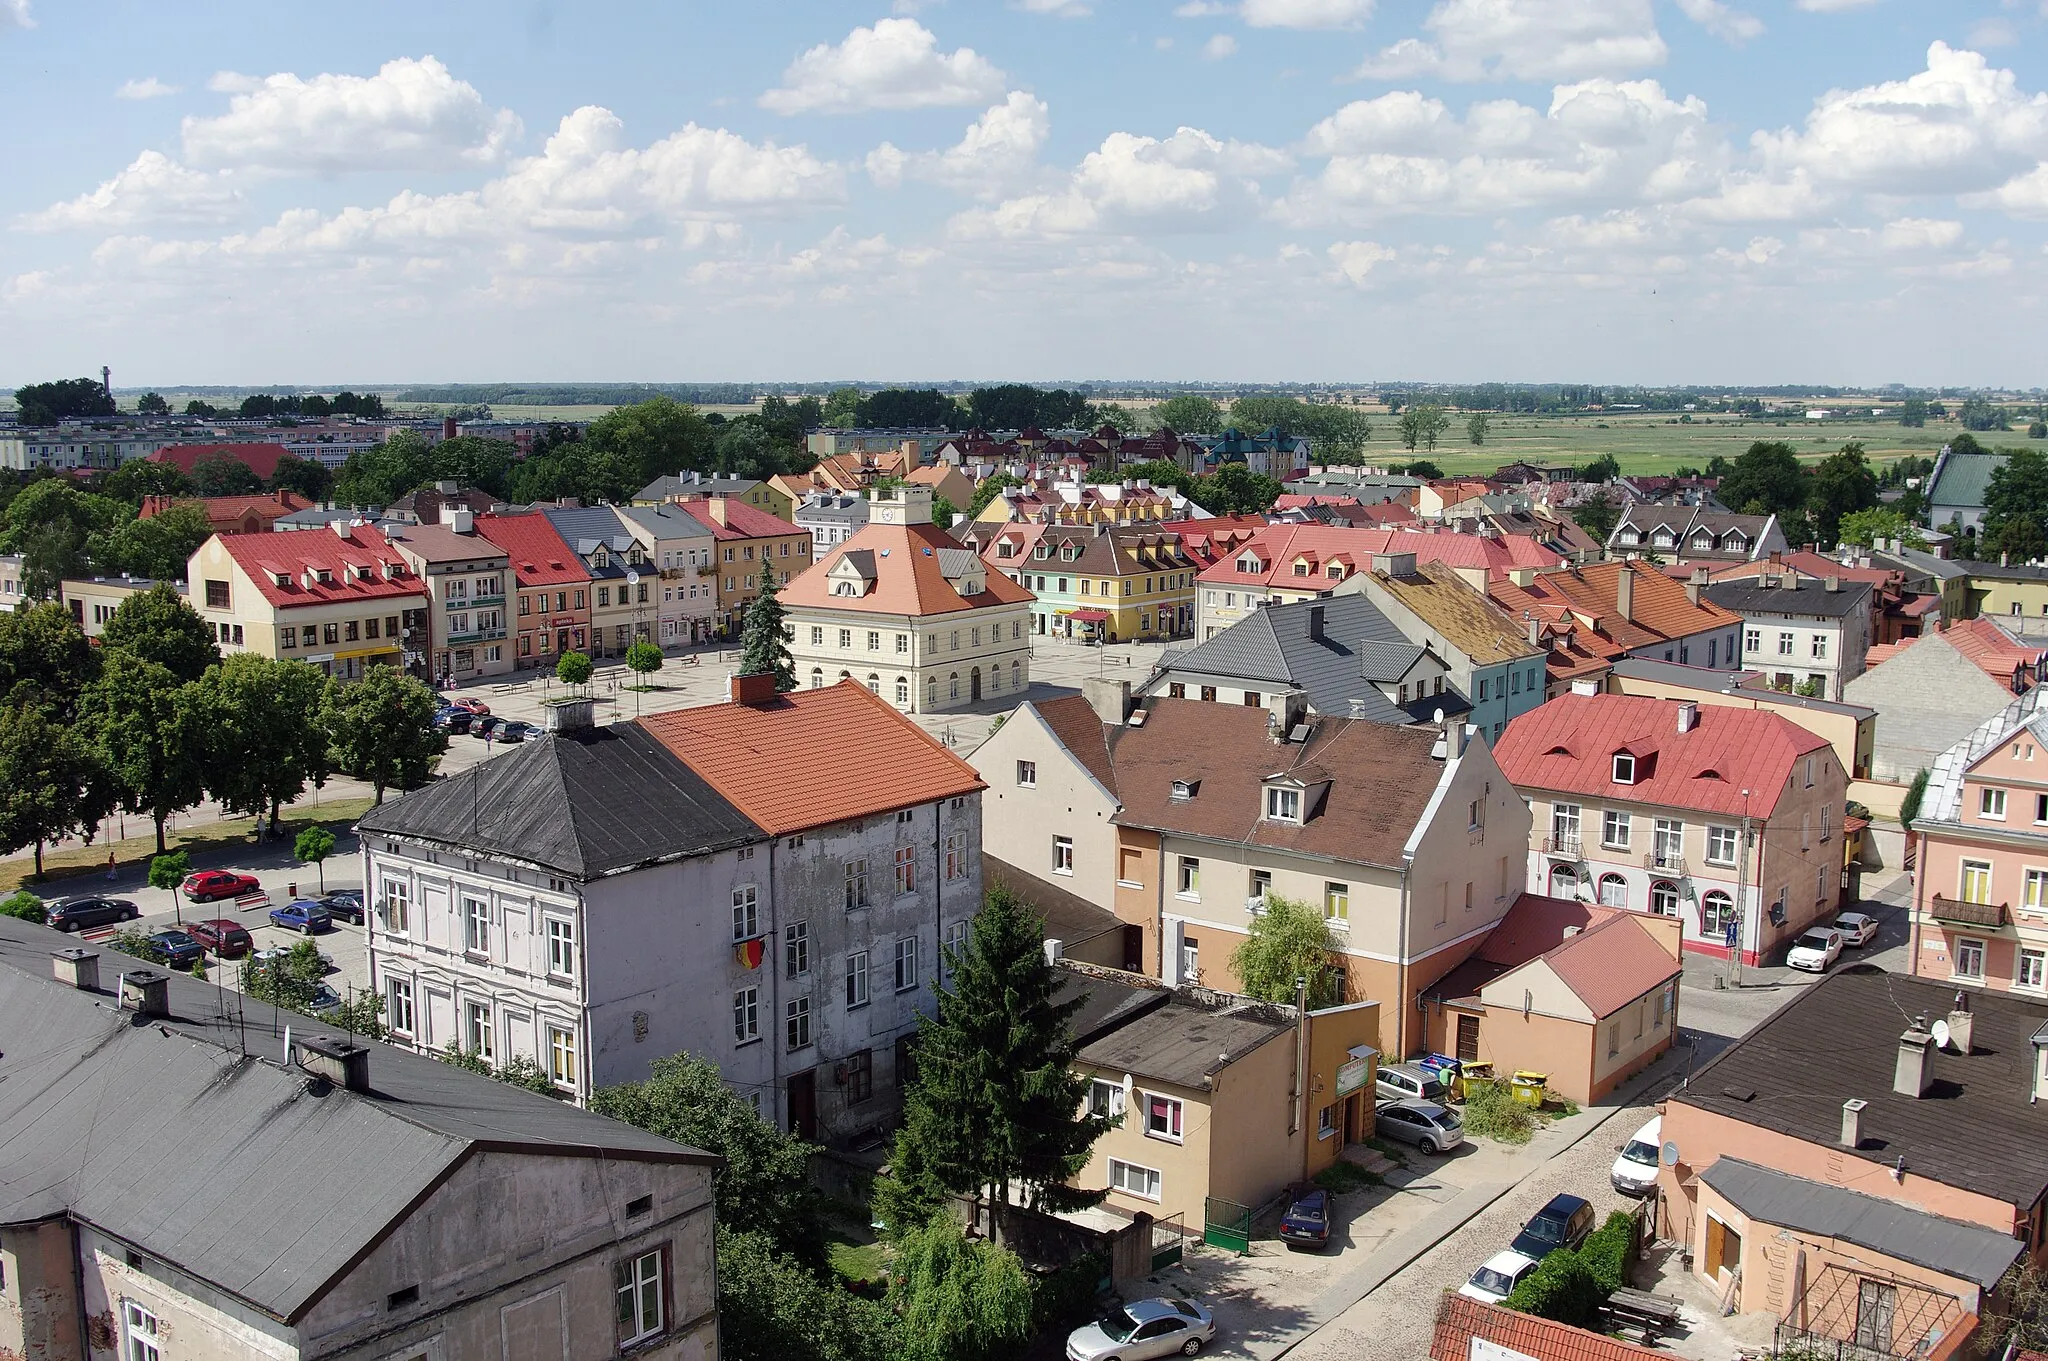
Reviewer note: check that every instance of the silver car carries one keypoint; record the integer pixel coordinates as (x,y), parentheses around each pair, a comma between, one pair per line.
(1430,1127)
(1144,1328)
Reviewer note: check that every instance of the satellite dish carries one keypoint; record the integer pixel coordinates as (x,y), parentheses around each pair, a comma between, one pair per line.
(1669,1154)
(1940,1032)
(632,578)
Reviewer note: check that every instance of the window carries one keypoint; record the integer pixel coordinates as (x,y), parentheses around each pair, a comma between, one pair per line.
(797,1024)
(1027,774)
(2034,894)
(1613,891)
(1283,805)
(874,640)
(1877,1304)
(846,638)
(906,964)
(561,933)
(1991,804)
(856,884)
(1133,1179)
(1190,960)
(396,909)
(476,1025)
(906,870)
(1717,914)
(956,856)
(1105,1099)
(1564,828)
(398,1006)
(903,691)
(1162,1117)
(637,1284)
(1326,1122)
(1664,898)
(796,950)
(1969,959)
(2030,973)
(1261,883)
(1624,768)
(1785,641)
(1063,855)
(1820,647)
(955,939)
(216,595)
(1976,881)
(138,1330)
(1614,829)
(1190,880)
(476,926)
(746,1016)
(1753,640)
(902,644)
(1613,1038)
(817,636)
(860,1076)
(1720,845)
(1337,902)
(1667,844)
(562,1056)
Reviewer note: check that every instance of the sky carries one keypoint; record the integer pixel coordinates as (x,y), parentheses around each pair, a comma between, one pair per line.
(1617,191)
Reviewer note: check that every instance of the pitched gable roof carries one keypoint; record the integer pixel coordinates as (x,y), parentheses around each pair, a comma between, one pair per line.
(537,553)
(1080,730)
(910,567)
(360,564)
(260,459)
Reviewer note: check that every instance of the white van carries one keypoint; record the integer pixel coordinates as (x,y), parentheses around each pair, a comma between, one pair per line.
(1635,1171)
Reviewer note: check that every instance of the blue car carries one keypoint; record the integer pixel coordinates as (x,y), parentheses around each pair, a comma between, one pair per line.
(302,914)
(177,949)
(1307,1221)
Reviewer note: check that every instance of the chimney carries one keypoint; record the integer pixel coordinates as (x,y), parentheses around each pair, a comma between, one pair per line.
(1914,1072)
(459,520)
(1696,585)
(1394,564)
(148,991)
(572,714)
(1055,951)
(714,506)
(448,427)
(1535,628)
(1110,699)
(1961,1025)
(1789,579)
(1777,558)
(341,1062)
(77,967)
(1585,685)
(1625,592)
(1688,716)
(1454,738)
(1852,1122)
(757,689)
(1832,584)
(1525,577)
(1315,623)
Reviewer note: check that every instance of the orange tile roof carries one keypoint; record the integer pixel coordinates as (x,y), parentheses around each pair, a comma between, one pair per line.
(1611,963)
(742,521)
(1997,653)
(1278,546)
(909,578)
(538,555)
(813,757)
(1459,1320)
(342,557)
(1585,597)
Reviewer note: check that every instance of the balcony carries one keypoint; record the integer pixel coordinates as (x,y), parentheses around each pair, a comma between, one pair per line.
(709,569)
(1664,863)
(487,598)
(475,636)
(1566,844)
(1989,916)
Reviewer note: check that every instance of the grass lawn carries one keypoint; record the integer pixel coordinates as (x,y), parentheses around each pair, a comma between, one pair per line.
(858,1261)
(1658,444)
(137,851)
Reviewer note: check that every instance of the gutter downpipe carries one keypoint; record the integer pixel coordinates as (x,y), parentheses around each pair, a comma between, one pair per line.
(1401,964)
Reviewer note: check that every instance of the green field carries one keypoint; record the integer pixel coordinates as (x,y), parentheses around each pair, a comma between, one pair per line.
(1656,444)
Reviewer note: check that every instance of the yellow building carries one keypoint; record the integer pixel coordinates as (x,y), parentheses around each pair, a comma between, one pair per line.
(1096,582)
(343,599)
(93,600)
(2007,594)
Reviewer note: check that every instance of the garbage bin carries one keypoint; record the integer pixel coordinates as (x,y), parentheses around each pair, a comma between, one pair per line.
(291,890)
(1528,1087)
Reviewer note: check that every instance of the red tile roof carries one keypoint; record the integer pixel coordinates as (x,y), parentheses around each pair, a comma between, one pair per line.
(1583,600)
(814,757)
(1568,745)
(1459,1320)
(1611,963)
(1997,653)
(299,557)
(230,510)
(742,521)
(260,459)
(1278,547)
(538,555)
(909,575)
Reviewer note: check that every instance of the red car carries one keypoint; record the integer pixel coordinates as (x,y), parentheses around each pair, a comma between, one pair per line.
(227,940)
(475,706)
(205,885)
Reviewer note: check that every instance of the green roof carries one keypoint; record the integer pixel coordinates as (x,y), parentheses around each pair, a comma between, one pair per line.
(1962,479)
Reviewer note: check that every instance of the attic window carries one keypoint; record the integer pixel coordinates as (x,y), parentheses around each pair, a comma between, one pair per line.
(1624,768)
(1248,563)
(399,1299)
(638,1206)
(1335,570)
(1283,805)
(363,573)
(1558,751)
(1301,568)
(281,578)
(1183,790)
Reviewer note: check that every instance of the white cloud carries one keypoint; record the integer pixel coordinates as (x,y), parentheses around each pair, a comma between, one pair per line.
(1190,181)
(1526,40)
(1722,20)
(14,14)
(1355,260)
(2022,196)
(1994,32)
(1201,9)
(1219,47)
(998,153)
(153,188)
(1058,9)
(1306,13)
(894,65)
(1833,6)
(149,87)
(412,115)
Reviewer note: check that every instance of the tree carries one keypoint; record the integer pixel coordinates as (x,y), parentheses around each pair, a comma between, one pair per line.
(1422,426)
(381,729)
(1842,484)
(49,523)
(1870,527)
(304,476)
(1476,426)
(2016,507)
(66,399)
(650,439)
(158,626)
(203,410)
(996,1102)
(842,407)
(772,1307)
(139,477)
(156,549)
(261,724)
(1112,414)
(1767,476)
(958,1300)
(220,475)
(1597,515)
(313,847)
(136,719)
(1014,406)
(991,486)
(763,1184)
(643,658)
(1423,468)
(1234,489)
(167,871)
(944,512)
(2037,430)
(50,783)
(1189,414)
(901,408)
(291,982)
(1605,468)
(379,475)
(1160,473)
(573,668)
(1913,413)
(1289,940)
(45,660)
(764,643)
(152,404)
(24,906)
(1979,413)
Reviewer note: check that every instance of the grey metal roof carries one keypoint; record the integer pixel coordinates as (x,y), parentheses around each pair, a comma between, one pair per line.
(187,1138)
(861,561)
(668,521)
(1729,683)
(586,804)
(694,484)
(588,527)
(1185,1045)
(1387,661)
(1750,597)
(1951,1246)
(957,562)
(1943,799)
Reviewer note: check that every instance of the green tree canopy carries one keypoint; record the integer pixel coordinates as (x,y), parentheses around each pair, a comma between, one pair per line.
(377,476)
(1422,426)
(302,475)
(906,408)
(381,729)
(773,1307)
(1842,484)
(65,399)
(152,404)
(1869,527)
(1476,426)
(51,782)
(643,658)
(1189,414)
(157,625)
(958,1300)
(1597,515)
(1159,473)
(45,660)
(142,728)
(261,720)
(159,548)
(573,668)
(1766,475)
(990,487)
(1289,940)
(1115,415)
(1234,489)
(1336,434)
(842,407)
(50,524)
(222,475)
(764,642)
(2016,507)
(651,439)
(140,477)
(313,846)
(1014,406)
(1913,413)
(1605,468)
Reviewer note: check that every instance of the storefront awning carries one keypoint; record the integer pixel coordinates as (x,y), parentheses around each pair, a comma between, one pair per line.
(1091,616)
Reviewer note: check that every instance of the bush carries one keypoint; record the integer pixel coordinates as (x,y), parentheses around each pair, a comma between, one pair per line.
(25,905)
(1562,1287)
(1607,1249)
(1491,1110)
(1066,1298)
(1341,1176)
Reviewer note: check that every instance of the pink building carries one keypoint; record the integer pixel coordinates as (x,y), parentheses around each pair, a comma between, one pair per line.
(1980,893)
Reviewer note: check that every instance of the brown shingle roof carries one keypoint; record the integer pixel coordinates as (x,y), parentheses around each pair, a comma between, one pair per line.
(1080,730)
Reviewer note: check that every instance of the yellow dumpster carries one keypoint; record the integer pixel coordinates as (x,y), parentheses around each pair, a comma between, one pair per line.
(1528,1087)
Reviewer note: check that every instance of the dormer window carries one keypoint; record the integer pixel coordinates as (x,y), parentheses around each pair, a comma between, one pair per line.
(1662,538)
(1736,542)
(1703,540)
(363,573)
(845,588)
(1301,568)
(1335,571)
(1629,536)
(1283,805)
(1248,563)
(1624,768)
(1183,790)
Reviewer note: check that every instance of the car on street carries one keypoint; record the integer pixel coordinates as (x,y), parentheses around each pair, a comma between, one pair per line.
(203,886)
(1409,1082)
(344,904)
(1307,1221)
(227,939)
(277,954)
(85,913)
(1857,928)
(302,914)
(1144,1328)
(485,727)
(515,731)
(1563,1223)
(1497,1277)
(325,999)
(452,719)
(474,706)
(1815,950)
(1635,1167)
(176,949)
(1425,1124)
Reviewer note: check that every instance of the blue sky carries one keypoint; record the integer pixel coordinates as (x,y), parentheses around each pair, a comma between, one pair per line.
(1719,191)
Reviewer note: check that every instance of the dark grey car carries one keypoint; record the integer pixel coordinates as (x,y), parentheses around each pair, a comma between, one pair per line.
(84,913)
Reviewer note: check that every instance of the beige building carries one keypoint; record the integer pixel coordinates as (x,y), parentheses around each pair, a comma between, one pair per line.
(342,599)
(1051,800)
(683,551)
(93,600)
(465,576)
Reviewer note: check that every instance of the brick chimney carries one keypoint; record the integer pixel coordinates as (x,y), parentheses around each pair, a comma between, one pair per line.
(1852,1122)
(1696,585)
(714,506)
(77,967)
(341,1062)
(756,690)
(1625,592)
(147,991)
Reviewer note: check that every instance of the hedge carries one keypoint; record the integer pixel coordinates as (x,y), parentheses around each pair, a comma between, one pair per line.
(1570,1285)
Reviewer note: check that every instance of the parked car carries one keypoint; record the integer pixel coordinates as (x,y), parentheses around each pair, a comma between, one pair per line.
(344,904)
(454,720)
(1409,1082)
(227,940)
(484,726)
(325,999)
(83,914)
(203,886)
(177,949)
(469,705)
(302,914)
(1815,950)
(514,731)
(1497,1278)
(277,954)
(1144,1328)
(1563,1223)
(1430,1127)
(1635,1167)
(1307,1221)
(1857,928)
